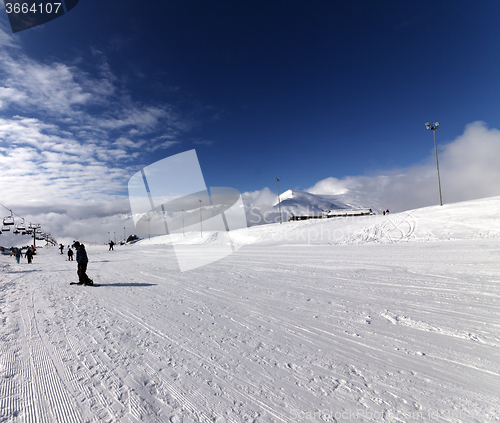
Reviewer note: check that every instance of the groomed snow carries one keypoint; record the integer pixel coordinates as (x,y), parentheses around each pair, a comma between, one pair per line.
(382,318)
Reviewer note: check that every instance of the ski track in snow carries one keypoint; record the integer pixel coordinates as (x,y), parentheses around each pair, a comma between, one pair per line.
(376,324)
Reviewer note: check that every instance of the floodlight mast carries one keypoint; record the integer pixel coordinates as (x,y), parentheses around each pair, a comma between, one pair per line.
(433,127)
(279,202)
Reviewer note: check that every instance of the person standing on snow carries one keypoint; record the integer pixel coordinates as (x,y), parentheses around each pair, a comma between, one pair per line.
(70,254)
(29,255)
(82,260)
(61,247)
(19,254)
(111,243)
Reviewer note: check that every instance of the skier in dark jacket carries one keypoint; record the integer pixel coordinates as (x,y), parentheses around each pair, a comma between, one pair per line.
(70,254)
(29,255)
(82,260)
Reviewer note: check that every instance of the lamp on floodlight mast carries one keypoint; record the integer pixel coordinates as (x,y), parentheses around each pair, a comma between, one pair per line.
(433,127)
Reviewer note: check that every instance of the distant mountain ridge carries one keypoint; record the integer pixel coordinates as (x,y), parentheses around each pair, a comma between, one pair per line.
(301,203)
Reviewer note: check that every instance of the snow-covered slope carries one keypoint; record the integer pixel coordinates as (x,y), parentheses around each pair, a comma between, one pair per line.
(301,203)
(465,220)
(387,319)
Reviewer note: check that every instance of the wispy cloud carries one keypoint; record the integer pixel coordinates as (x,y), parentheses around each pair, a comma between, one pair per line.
(53,88)
(208,143)
(6,39)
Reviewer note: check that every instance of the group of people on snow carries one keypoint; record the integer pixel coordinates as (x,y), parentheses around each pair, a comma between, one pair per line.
(81,258)
(18,253)
(70,252)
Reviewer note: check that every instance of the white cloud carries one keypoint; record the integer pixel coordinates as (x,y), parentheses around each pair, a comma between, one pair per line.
(54,87)
(143,119)
(260,198)
(6,40)
(127,143)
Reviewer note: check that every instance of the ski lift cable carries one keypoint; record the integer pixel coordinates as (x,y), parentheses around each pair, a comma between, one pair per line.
(11,212)
(5,227)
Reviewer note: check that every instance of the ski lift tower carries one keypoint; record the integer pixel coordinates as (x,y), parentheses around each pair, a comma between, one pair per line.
(35,228)
(433,127)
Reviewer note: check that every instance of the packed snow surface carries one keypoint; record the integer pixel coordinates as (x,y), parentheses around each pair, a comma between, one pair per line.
(381,318)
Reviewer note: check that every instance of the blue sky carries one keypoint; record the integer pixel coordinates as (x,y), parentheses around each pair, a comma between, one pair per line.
(332,91)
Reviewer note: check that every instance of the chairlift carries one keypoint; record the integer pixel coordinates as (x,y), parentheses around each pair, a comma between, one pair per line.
(21,226)
(5,228)
(9,220)
(16,232)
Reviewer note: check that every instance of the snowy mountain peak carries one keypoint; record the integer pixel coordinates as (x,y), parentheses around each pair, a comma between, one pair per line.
(300,203)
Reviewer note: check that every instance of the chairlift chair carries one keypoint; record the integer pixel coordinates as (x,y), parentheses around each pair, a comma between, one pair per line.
(5,228)
(16,232)
(9,220)
(21,226)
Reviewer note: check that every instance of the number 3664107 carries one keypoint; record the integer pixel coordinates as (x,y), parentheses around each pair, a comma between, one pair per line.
(34,8)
